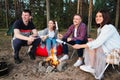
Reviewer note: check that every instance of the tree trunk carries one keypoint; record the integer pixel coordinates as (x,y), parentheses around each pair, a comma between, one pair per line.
(19,7)
(90,17)
(86,1)
(48,10)
(15,6)
(6,7)
(117,14)
(79,7)
(0,9)
(0,6)
(1,17)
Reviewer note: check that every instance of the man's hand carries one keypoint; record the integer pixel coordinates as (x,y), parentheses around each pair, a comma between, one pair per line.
(30,39)
(69,39)
(44,37)
(76,46)
(60,36)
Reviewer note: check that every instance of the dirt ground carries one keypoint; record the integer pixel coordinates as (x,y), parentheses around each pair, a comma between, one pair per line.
(25,70)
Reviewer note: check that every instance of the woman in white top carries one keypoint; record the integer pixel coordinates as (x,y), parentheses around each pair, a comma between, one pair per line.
(50,35)
(107,39)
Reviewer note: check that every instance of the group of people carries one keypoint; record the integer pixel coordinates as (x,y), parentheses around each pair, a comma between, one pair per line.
(107,39)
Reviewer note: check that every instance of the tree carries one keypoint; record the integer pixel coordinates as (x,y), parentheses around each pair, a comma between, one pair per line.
(60,10)
(6,7)
(108,5)
(1,15)
(117,13)
(15,6)
(90,16)
(79,7)
(48,10)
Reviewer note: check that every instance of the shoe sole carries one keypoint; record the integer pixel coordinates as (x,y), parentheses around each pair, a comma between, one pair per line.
(87,70)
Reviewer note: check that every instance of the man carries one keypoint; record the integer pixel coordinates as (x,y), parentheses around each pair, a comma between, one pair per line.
(23,37)
(78,31)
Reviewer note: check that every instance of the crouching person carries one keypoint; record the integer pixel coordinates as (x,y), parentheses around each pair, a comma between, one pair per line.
(25,34)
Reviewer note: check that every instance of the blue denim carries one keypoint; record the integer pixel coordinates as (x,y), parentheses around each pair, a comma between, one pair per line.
(51,43)
(79,51)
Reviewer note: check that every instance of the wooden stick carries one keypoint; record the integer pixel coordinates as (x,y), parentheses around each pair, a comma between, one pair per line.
(60,41)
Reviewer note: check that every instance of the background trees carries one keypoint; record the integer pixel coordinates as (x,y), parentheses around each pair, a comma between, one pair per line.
(59,10)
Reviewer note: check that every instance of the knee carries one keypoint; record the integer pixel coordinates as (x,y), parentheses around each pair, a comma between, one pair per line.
(38,40)
(80,50)
(16,42)
(47,40)
(64,39)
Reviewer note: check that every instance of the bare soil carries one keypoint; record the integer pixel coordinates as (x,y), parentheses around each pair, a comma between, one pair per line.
(25,70)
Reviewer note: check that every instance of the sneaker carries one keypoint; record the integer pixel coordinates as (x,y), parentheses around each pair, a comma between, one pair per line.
(65,57)
(32,56)
(18,60)
(87,69)
(77,63)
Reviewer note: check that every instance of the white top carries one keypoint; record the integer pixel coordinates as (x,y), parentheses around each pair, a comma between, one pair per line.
(51,34)
(108,39)
(75,32)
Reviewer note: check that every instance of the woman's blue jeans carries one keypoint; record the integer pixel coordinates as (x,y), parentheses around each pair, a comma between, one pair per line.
(51,43)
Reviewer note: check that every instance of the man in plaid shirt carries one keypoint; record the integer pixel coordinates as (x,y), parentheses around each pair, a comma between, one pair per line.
(78,30)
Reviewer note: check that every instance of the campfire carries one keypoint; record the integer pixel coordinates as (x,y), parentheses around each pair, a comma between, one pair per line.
(52,63)
(52,59)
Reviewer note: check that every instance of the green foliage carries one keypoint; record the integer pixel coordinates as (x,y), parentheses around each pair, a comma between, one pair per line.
(109,5)
(61,11)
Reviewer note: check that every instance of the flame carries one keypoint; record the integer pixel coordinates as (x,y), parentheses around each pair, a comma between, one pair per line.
(52,58)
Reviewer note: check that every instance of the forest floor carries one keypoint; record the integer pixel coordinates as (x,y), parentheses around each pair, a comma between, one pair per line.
(25,70)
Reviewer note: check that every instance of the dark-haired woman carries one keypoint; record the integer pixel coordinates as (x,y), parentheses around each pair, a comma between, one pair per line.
(95,50)
(50,36)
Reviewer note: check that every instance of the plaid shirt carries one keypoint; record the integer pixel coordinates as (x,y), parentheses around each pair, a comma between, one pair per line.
(81,32)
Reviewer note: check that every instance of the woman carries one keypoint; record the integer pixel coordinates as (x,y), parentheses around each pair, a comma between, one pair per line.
(108,38)
(50,36)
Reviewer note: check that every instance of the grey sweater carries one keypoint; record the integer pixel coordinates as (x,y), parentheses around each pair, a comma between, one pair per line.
(45,32)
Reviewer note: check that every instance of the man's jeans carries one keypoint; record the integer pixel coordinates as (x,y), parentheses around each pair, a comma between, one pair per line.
(17,44)
(79,51)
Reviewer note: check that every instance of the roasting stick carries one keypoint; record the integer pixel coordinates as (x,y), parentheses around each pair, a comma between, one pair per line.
(62,42)
(56,24)
(58,40)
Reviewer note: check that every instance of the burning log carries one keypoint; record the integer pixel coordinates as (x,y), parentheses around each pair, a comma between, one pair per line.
(52,63)
(52,59)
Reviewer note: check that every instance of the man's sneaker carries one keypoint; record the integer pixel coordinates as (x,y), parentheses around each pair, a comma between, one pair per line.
(87,69)
(65,57)
(32,56)
(77,63)
(18,60)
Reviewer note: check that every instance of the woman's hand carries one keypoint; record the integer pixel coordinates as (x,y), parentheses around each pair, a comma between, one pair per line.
(76,46)
(90,39)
